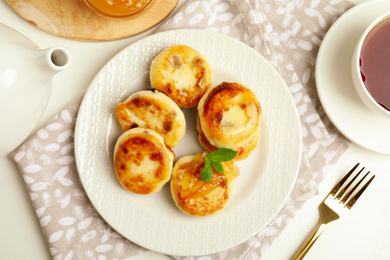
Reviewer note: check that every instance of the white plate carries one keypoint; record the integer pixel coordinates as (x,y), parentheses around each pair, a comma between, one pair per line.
(153,221)
(334,81)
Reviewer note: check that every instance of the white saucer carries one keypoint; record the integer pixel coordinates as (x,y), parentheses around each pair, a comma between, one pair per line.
(334,83)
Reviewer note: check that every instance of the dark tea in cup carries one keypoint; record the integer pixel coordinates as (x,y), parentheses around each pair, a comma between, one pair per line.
(375,63)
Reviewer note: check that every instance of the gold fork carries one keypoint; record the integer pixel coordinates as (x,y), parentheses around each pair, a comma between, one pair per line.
(335,206)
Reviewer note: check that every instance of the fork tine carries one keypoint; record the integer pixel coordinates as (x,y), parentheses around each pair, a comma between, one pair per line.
(338,185)
(359,193)
(349,184)
(345,198)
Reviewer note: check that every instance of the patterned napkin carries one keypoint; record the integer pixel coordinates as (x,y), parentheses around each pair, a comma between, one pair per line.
(287,33)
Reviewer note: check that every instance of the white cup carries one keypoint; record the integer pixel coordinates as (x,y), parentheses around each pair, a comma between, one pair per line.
(356,72)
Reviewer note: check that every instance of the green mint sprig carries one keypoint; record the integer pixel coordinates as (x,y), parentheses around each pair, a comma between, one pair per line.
(215,159)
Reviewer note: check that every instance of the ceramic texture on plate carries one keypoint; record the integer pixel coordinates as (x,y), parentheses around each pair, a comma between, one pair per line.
(153,221)
(334,80)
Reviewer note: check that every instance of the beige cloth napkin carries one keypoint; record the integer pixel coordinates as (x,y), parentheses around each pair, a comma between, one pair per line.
(288,33)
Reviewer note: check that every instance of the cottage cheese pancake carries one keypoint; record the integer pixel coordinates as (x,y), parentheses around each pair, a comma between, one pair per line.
(182,73)
(195,197)
(143,163)
(229,115)
(154,110)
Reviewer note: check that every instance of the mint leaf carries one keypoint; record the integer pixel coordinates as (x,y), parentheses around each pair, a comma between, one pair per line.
(222,155)
(215,160)
(217,166)
(207,172)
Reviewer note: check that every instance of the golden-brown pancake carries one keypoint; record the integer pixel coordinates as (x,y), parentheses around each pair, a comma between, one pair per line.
(242,152)
(154,110)
(182,73)
(143,163)
(196,197)
(229,115)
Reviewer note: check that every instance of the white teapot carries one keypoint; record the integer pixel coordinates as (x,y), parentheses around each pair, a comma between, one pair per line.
(25,85)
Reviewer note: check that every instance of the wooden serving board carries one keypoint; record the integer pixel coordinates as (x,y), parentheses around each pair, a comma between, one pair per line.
(73,19)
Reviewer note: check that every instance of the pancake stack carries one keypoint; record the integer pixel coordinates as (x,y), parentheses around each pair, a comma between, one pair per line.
(229,117)
(153,124)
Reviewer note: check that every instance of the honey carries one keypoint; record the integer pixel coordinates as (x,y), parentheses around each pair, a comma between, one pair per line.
(118,8)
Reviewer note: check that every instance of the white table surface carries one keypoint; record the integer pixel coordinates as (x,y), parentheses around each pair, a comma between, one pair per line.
(364,234)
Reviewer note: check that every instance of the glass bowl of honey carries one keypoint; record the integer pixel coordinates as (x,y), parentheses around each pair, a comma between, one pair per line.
(118,8)
(371,65)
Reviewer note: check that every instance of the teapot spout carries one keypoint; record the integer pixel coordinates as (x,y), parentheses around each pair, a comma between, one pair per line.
(57,58)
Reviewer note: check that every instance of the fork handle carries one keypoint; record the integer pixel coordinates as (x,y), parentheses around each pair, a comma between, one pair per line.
(310,241)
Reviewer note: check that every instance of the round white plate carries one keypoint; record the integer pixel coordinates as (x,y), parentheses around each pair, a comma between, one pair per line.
(334,81)
(153,221)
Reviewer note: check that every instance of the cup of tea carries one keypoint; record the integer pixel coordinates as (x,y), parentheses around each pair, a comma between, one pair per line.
(118,8)
(371,65)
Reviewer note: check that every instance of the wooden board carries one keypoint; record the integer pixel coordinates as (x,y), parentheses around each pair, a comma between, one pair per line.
(75,20)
